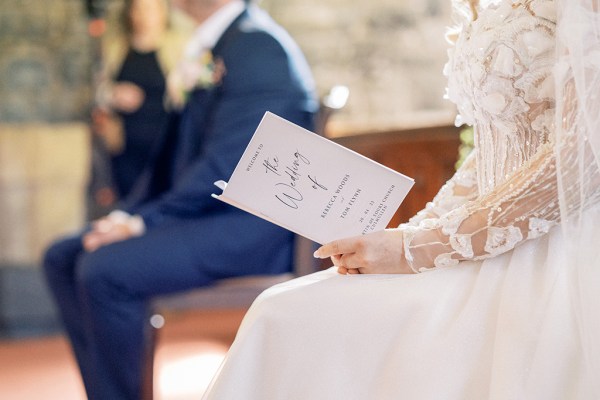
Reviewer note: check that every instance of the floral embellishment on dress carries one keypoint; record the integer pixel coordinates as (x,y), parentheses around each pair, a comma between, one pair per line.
(462,244)
(504,62)
(201,72)
(544,122)
(501,77)
(452,220)
(443,260)
(500,240)
(538,227)
(428,223)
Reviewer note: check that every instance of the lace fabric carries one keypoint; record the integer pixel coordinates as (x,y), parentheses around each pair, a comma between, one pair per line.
(502,78)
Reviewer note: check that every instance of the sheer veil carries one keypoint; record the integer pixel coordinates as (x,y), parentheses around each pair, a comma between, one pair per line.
(578,161)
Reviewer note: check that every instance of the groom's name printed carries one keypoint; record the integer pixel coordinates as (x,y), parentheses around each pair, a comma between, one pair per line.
(335,196)
(338,193)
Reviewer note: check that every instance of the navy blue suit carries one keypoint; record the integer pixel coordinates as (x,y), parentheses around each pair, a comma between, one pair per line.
(191,238)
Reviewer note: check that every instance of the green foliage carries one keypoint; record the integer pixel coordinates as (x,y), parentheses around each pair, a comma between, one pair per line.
(466,145)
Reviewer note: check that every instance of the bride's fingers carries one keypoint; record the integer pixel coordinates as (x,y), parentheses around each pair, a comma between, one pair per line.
(350,261)
(336,260)
(347,263)
(348,271)
(341,246)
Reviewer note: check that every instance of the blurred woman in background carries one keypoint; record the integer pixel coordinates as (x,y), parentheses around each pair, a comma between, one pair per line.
(130,110)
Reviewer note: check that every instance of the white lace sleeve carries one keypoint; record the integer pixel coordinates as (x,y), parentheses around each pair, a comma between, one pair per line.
(524,207)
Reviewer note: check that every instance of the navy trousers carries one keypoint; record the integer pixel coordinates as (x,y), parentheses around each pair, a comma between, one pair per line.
(103,296)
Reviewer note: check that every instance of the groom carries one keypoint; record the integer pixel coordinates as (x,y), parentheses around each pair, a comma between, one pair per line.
(174,236)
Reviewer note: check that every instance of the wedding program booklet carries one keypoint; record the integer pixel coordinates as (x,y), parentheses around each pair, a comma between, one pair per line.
(312,186)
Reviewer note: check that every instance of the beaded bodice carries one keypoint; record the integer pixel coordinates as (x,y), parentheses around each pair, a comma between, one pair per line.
(500,77)
(500,74)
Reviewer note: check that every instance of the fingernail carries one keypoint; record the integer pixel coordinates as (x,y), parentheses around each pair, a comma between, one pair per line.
(316,254)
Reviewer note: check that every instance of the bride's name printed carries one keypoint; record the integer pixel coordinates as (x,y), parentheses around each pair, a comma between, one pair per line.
(335,196)
(311,185)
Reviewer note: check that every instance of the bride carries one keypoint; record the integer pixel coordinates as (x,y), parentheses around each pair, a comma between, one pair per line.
(490,292)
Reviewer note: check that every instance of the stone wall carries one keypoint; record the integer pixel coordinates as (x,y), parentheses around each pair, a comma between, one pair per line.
(389,53)
(42,175)
(45,62)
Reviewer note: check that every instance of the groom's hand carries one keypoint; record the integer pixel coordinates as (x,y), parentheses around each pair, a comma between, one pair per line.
(115,227)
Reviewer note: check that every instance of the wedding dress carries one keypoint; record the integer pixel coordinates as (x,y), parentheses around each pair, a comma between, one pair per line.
(498,311)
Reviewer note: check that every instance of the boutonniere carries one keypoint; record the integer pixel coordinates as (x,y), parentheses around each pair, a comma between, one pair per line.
(202,72)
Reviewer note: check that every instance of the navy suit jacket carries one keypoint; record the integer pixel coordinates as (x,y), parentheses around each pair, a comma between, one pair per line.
(265,71)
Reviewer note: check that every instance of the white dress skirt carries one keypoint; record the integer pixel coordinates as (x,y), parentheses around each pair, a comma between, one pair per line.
(501,328)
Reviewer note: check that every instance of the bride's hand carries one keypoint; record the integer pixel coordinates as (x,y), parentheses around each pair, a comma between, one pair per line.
(375,253)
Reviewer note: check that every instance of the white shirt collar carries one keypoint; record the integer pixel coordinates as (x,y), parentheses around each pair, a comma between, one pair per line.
(208,33)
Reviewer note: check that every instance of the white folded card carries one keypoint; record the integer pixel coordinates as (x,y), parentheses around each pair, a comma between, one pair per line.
(312,186)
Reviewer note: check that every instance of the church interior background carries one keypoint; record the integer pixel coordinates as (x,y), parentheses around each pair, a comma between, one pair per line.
(389,53)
